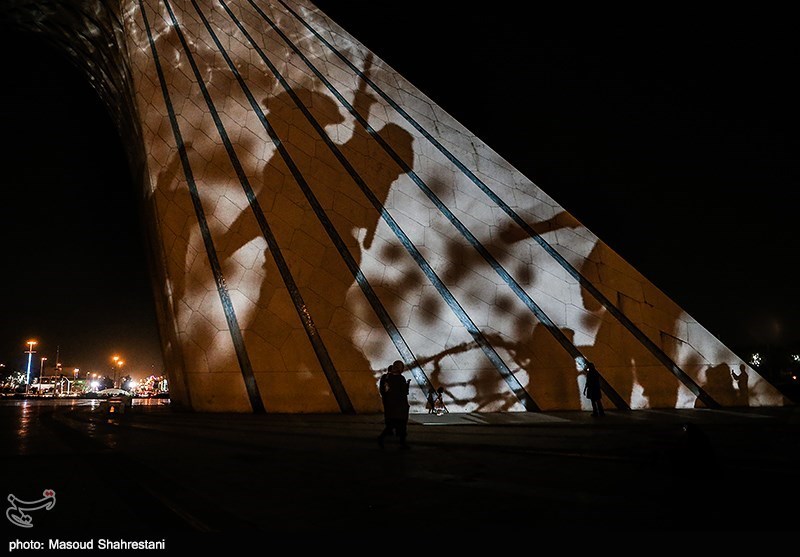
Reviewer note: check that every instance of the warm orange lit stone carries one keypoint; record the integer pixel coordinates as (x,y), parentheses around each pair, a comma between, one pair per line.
(314,217)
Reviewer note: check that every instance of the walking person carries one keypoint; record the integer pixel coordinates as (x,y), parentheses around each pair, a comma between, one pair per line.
(394,393)
(593,390)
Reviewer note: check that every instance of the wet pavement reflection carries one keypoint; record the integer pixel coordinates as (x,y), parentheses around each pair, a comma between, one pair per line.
(155,470)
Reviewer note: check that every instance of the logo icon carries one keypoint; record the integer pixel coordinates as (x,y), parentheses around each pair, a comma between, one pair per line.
(16,513)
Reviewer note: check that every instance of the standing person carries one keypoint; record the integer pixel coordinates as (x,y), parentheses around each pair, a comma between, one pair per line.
(438,404)
(592,389)
(394,392)
(432,401)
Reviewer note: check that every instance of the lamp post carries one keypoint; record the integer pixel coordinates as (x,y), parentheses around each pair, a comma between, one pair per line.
(119,367)
(41,374)
(30,351)
(117,363)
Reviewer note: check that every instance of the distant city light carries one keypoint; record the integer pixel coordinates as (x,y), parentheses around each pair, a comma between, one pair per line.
(796,357)
(755,360)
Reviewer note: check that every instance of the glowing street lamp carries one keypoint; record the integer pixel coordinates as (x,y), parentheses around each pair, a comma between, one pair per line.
(30,351)
(117,364)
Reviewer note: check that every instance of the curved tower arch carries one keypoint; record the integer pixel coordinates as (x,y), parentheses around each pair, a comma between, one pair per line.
(313,216)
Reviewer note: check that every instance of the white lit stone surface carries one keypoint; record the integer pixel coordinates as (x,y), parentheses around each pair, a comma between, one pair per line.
(280,317)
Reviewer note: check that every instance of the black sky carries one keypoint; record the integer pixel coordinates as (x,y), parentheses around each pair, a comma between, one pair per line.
(675,144)
(74,273)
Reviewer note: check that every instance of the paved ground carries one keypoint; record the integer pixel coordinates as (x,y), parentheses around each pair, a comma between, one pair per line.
(154,473)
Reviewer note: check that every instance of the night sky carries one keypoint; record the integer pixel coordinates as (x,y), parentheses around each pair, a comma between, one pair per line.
(75,276)
(676,145)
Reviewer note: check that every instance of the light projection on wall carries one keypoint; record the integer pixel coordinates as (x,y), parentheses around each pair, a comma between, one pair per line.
(318,217)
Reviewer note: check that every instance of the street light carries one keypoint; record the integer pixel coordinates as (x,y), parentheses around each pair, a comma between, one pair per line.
(117,362)
(30,351)
(41,374)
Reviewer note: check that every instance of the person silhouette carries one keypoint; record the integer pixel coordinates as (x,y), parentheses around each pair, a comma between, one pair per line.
(593,390)
(287,208)
(743,395)
(431,404)
(438,404)
(394,393)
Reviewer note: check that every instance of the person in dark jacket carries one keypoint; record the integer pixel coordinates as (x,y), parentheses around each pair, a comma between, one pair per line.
(394,393)
(593,389)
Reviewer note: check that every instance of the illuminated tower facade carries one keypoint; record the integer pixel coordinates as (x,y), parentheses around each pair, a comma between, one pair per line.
(313,217)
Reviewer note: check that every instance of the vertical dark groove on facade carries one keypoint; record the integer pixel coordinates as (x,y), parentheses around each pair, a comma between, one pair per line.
(477,335)
(386,320)
(230,315)
(571,270)
(339,392)
(101,57)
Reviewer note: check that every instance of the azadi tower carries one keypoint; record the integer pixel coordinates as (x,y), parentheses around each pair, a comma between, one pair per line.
(313,217)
